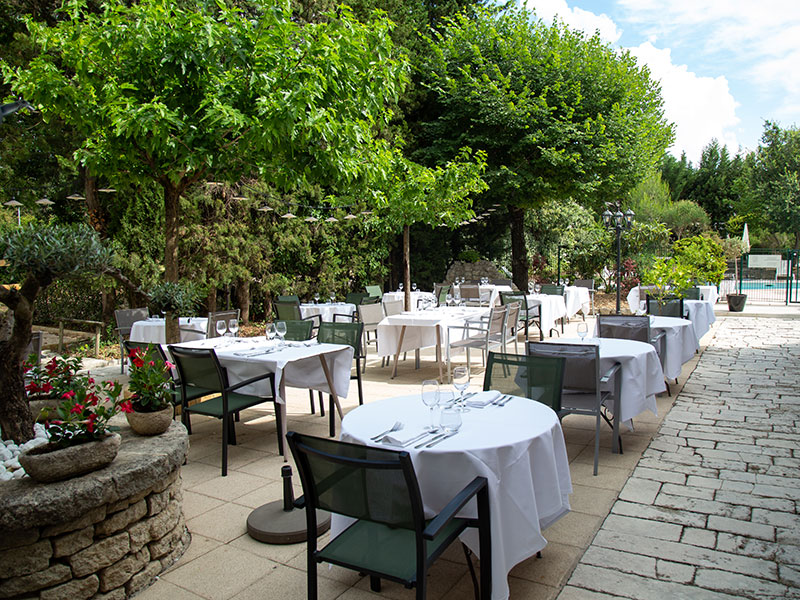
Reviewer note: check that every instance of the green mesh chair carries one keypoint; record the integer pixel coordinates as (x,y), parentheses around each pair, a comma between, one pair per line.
(298,330)
(374,291)
(347,334)
(527,314)
(125,318)
(355,297)
(391,538)
(552,289)
(202,375)
(693,293)
(585,390)
(289,298)
(441,291)
(672,307)
(290,311)
(539,378)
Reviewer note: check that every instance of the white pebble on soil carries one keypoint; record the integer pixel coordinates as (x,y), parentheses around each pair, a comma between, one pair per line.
(9,453)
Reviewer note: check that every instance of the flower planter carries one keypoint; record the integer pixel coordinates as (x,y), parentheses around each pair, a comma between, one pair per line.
(736,302)
(150,423)
(38,403)
(44,464)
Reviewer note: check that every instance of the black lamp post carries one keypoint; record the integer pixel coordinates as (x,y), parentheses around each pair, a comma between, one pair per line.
(560,248)
(618,221)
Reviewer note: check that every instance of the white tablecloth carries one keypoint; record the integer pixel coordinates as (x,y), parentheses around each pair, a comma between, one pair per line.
(577,300)
(296,365)
(152,331)
(421,328)
(327,310)
(709,293)
(490,293)
(701,314)
(642,376)
(415,297)
(552,307)
(681,342)
(519,448)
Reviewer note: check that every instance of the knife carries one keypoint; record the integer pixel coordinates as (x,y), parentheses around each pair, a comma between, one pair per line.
(439,436)
(432,443)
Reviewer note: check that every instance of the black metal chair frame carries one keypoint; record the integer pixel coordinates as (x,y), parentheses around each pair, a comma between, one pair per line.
(127,317)
(525,311)
(552,289)
(503,361)
(424,531)
(659,311)
(222,391)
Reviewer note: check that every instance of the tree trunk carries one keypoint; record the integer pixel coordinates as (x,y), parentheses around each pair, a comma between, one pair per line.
(407,265)
(211,301)
(16,420)
(171,203)
(519,251)
(243,299)
(97,215)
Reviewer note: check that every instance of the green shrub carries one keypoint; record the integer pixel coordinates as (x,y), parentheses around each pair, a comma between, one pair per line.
(702,257)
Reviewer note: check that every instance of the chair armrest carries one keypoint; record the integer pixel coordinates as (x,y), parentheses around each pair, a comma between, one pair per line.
(610,373)
(352,318)
(657,337)
(456,504)
(255,379)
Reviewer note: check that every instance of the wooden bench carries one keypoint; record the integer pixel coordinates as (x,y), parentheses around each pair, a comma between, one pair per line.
(98,328)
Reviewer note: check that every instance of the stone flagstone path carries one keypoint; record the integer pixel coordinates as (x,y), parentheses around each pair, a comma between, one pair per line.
(711,510)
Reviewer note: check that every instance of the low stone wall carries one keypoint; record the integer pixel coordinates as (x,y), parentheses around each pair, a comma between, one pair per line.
(107,534)
(473,271)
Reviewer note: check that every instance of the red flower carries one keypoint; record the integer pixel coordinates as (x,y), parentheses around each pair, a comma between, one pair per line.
(68,395)
(46,387)
(126,406)
(77,409)
(91,380)
(152,363)
(169,364)
(32,387)
(138,362)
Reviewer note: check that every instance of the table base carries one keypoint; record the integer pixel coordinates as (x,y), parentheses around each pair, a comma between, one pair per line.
(272,524)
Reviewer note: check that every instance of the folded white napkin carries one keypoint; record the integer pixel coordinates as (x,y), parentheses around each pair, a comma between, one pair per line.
(402,437)
(482,399)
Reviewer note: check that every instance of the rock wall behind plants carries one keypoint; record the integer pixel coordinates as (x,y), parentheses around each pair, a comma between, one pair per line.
(105,535)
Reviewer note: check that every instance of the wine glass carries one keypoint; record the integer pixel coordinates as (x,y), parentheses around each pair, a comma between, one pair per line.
(537,287)
(450,420)
(400,287)
(583,329)
(233,327)
(461,383)
(280,329)
(430,398)
(413,287)
(270,331)
(316,297)
(530,287)
(332,296)
(222,327)
(448,299)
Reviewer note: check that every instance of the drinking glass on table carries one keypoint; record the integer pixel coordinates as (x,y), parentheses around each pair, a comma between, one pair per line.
(450,419)
(222,327)
(270,331)
(333,297)
(233,326)
(537,287)
(400,287)
(413,287)
(583,330)
(461,383)
(316,298)
(430,398)
(280,329)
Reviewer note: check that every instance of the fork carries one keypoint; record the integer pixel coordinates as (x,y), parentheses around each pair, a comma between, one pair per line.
(396,427)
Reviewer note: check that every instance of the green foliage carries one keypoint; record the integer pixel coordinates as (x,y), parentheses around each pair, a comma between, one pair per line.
(669,276)
(169,296)
(149,381)
(77,298)
(643,242)
(714,184)
(651,202)
(677,174)
(470,256)
(702,257)
(57,251)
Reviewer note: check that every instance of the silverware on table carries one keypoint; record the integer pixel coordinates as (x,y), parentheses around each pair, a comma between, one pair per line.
(506,401)
(438,436)
(417,438)
(396,427)
(432,443)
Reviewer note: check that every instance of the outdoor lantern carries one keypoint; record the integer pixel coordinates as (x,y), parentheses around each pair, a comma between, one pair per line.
(264,209)
(15,204)
(618,221)
(607,218)
(76,197)
(288,215)
(45,202)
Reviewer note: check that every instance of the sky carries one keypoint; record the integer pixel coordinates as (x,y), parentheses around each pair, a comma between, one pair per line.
(725,66)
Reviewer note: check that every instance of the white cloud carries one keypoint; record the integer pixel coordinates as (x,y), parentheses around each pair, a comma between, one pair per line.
(701,107)
(576,18)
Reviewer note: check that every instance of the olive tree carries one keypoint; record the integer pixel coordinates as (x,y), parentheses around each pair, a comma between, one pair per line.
(37,257)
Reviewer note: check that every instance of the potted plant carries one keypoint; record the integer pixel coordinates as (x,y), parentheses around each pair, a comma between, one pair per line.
(80,438)
(734,248)
(669,279)
(46,384)
(151,392)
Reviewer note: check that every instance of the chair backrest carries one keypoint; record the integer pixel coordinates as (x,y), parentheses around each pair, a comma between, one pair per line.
(348,334)
(440,291)
(355,297)
(371,300)
(154,352)
(519,298)
(287,311)
(374,291)
(35,348)
(221,315)
(126,317)
(671,308)
(199,369)
(497,319)
(693,293)
(289,298)
(513,315)
(587,283)
(370,314)
(552,290)
(470,292)
(362,482)
(298,330)
(581,364)
(393,307)
(624,327)
(501,282)
(539,378)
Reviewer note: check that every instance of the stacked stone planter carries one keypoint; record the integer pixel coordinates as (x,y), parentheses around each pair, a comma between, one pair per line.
(107,534)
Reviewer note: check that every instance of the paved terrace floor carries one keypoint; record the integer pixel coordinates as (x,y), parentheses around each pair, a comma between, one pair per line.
(702,504)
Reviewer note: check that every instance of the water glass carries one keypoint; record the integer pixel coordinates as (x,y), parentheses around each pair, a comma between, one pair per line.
(537,287)
(400,287)
(316,298)
(270,331)
(280,329)
(222,327)
(413,287)
(461,383)
(450,419)
(430,398)
(333,297)
(233,326)
(583,330)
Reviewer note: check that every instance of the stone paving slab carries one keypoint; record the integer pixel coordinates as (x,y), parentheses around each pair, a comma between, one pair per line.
(711,510)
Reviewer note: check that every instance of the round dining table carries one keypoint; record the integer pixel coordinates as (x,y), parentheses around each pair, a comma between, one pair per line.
(518,447)
(153,330)
(681,342)
(327,310)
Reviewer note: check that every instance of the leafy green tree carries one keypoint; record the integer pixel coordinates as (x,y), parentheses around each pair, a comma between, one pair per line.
(176,93)
(558,114)
(37,257)
(650,200)
(713,184)
(677,174)
(703,258)
(775,178)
